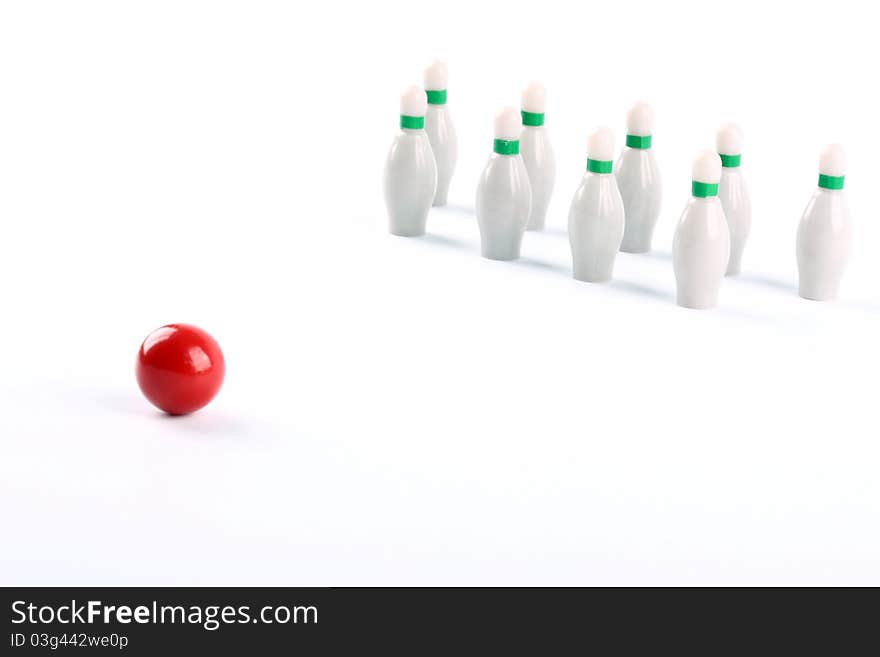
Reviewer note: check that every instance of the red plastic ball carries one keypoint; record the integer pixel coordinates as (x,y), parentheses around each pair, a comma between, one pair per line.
(180,368)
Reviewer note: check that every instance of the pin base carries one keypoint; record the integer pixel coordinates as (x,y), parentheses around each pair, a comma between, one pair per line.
(635,248)
(697,301)
(818,290)
(407,232)
(636,239)
(734,265)
(814,295)
(536,222)
(500,253)
(593,271)
(697,306)
(588,278)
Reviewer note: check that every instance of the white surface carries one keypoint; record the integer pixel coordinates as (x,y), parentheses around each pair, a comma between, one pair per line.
(534,98)
(436,76)
(733,192)
(410,182)
(595,227)
(700,254)
(502,206)
(413,101)
(640,120)
(536,150)
(440,130)
(600,145)
(729,139)
(824,243)
(641,189)
(403,411)
(508,124)
(707,167)
(832,160)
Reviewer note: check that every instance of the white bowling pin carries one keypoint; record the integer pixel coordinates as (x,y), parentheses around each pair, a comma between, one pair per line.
(638,178)
(503,195)
(701,247)
(596,218)
(537,153)
(440,129)
(733,193)
(824,236)
(410,170)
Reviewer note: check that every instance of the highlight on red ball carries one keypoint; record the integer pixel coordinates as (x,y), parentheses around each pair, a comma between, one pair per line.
(180,368)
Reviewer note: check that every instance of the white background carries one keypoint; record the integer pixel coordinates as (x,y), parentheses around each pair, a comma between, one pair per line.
(402,411)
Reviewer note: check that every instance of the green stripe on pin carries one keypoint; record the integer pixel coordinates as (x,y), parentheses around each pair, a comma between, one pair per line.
(635,141)
(533,119)
(730,161)
(504,147)
(436,96)
(703,190)
(412,122)
(600,166)
(830,182)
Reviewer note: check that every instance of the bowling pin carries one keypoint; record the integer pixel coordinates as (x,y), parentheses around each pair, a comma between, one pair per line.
(410,170)
(825,233)
(537,153)
(733,193)
(596,218)
(503,194)
(701,246)
(638,178)
(439,128)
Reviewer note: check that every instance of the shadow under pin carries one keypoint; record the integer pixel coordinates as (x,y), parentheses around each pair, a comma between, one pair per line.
(454,208)
(443,240)
(656,255)
(641,290)
(767,281)
(543,266)
(554,231)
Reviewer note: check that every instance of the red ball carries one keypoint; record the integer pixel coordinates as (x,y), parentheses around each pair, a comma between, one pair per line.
(180,368)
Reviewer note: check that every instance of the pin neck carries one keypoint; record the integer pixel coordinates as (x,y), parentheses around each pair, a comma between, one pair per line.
(730,161)
(436,96)
(600,166)
(533,119)
(831,182)
(636,141)
(704,190)
(412,122)
(507,147)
